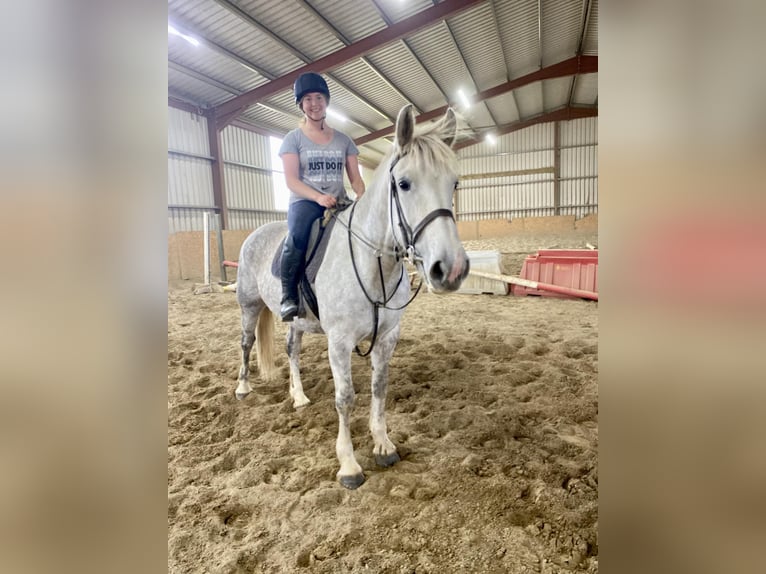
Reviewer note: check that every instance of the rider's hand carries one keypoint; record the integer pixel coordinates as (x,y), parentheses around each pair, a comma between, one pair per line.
(326,201)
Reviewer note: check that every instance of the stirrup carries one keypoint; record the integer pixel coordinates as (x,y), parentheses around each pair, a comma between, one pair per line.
(289,310)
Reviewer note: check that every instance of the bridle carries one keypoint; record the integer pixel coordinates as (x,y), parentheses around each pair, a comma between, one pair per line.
(409,235)
(402,251)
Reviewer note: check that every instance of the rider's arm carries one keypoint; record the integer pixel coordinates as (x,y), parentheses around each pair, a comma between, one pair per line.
(290,165)
(352,168)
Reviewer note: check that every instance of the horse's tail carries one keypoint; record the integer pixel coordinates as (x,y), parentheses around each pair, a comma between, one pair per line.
(264,344)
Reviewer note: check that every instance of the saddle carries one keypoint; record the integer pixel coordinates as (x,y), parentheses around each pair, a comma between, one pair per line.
(321,230)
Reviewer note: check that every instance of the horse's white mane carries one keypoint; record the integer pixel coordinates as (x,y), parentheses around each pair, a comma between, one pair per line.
(428,149)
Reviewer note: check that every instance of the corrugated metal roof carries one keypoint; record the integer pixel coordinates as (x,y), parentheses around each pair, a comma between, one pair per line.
(486,44)
(590,44)
(517,22)
(354,19)
(504,108)
(478,116)
(562,21)
(397,10)
(195,90)
(217,24)
(352,106)
(399,66)
(213,65)
(586,89)
(436,49)
(556,93)
(476,34)
(530,99)
(192,8)
(295,26)
(269,119)
(359,77)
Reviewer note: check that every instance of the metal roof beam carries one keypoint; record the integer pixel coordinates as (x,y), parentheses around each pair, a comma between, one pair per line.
(583,30)
(563,114)
(570,67)
(185,105)
(227,111)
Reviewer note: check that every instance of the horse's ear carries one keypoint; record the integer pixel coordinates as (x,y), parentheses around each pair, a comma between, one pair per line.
(449,127)
(405,127)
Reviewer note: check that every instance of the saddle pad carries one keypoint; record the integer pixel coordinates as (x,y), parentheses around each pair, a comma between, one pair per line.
(314,253)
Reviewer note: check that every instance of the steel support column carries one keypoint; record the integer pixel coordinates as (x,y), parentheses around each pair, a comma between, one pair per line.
(216,167)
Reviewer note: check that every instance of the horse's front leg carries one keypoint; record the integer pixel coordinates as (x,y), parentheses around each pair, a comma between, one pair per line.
(294,338)
(383,449)
(350,474)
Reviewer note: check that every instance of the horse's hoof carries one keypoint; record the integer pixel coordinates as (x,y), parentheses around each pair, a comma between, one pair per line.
(301,402)
(240,396)
(352,482)
(387,459)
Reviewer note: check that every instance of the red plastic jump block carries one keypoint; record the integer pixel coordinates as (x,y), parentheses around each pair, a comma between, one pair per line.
(571,268)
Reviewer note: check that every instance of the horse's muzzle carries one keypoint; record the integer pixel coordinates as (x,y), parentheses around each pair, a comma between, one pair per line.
(446,277)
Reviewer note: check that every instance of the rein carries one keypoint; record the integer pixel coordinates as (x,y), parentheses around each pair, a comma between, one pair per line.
(408,252)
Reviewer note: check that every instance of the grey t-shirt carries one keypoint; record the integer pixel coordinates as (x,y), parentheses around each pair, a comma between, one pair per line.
(321,166)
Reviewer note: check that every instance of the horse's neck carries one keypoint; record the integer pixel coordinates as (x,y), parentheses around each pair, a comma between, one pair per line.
(372,221)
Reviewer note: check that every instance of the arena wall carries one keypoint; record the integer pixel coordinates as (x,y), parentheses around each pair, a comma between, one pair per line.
(185,249)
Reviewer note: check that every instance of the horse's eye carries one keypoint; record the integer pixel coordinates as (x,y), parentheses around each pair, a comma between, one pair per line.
(456,184)
(404,185)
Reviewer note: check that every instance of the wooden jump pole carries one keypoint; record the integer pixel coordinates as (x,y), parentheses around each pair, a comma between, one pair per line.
(537,285)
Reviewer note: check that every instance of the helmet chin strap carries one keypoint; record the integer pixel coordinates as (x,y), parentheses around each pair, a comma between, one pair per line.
(321,121)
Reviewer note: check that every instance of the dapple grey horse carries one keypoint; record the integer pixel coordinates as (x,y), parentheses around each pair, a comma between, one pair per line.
(362,286)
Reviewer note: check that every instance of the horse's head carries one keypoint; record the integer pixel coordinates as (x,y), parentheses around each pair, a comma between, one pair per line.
(423,180)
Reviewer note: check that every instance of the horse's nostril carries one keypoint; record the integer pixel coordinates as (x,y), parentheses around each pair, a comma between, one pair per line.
(438,272)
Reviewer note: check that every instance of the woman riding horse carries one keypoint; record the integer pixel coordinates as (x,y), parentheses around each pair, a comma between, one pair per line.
(313,157)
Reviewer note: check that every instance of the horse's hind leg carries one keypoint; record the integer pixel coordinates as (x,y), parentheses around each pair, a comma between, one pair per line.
(383,449)
(250,314)
(294,338)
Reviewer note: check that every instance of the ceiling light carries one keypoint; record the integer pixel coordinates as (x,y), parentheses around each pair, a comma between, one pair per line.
(174,32)
(464,99)
(490,139)
(336,116)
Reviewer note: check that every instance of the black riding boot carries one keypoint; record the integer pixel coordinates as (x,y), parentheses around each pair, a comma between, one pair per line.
(291,272)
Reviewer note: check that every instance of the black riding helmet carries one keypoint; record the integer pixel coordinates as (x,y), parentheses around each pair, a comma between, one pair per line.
(310,82)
